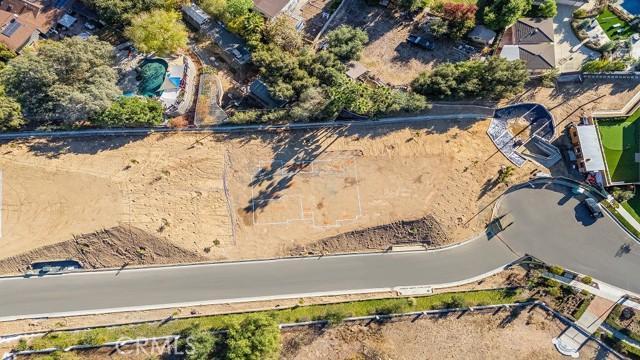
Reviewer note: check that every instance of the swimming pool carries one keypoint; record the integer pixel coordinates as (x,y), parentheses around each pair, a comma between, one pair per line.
(632,6)
(153,74)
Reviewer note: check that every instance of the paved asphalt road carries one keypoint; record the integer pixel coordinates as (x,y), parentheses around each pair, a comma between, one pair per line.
(86,292)
(557,228)
(550,225)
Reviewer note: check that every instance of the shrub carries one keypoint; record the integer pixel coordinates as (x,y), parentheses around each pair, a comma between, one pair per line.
(456,302)
(197,343)
(580,13)
(393,308)
(622,195)
(557,270)
(551,283)
(257,337)
(412,302)
(335,316)
(587,280)
(553,292)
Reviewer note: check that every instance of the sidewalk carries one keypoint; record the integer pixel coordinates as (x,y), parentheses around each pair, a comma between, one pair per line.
(571,340)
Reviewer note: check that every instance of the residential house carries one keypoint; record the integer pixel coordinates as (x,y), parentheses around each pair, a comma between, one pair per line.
(482,35)
(21,19)
(17,33)
(530,40)
(271,9)
(195,16)
(232,49)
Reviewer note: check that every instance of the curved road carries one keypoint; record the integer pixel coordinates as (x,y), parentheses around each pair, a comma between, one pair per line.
(550,224)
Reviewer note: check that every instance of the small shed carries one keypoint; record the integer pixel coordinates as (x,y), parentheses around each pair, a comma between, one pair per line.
(195,16)
(67,21)
(355,70)
(482,35)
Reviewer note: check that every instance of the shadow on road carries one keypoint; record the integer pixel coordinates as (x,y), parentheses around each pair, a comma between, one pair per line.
(583,215)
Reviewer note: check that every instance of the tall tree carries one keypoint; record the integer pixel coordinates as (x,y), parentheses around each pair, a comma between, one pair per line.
(346,42)
(69,79)
(239,8)
(548,8)
(10,113)
(6,54)
(281,32)
(215,8)
(498,14)
(158,31)
(120,12)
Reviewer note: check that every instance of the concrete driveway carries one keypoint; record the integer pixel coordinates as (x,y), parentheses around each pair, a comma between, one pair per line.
(570,54)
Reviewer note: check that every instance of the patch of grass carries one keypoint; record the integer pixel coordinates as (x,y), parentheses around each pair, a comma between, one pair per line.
(577,313)
(315,312)
(633,207)
(620,144)
(608,20)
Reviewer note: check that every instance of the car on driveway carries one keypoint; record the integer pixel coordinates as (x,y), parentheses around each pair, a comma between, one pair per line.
(593,207)
(421,42)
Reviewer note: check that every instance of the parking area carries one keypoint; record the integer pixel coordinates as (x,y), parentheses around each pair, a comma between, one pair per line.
(388,56)
(570,53)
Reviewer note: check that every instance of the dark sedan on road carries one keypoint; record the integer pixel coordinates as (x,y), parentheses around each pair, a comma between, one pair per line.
(593,207)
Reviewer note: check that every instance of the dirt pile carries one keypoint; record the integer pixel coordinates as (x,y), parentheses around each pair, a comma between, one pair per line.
(110,248)
(426,231)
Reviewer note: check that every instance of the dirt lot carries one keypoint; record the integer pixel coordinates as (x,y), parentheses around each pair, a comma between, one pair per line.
(492,335)
(387,54)
(285,189)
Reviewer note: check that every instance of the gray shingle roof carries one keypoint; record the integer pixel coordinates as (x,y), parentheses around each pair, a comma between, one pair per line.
(538,56)
(534,31)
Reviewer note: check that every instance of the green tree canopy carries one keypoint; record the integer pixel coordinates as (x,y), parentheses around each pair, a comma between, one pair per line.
(69,79)
(158,31)
(131,111)
(346,42)
(215,8)
(5,55)
(548,9)
(239,8)
(257,337)
(498,14)
(495,78)
(282,33)
(411,5)
(10,113)
(120,12)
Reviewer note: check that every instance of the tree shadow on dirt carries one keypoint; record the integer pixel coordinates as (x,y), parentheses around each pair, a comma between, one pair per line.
(295,150)
(53,148)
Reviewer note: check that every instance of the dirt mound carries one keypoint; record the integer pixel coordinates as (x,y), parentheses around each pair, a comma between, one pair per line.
(425,230)
(108,248)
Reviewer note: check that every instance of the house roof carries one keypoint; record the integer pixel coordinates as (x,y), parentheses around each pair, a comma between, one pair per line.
(270,8)
(230,43)
(195,13)
(42,13)
(482,32)
(262,93)
(533,31)
(590,145)
(15,32)
(538,56)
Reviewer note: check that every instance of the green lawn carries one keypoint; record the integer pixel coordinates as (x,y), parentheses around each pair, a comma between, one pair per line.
(633,207)
(620,143)
(608,19)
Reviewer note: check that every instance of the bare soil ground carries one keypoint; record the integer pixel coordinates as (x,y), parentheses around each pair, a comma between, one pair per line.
(477,335)
(426,231)
(388,55)
(291,190)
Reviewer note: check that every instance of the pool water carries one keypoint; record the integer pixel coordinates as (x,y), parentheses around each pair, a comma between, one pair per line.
(632,6)
(153,74)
